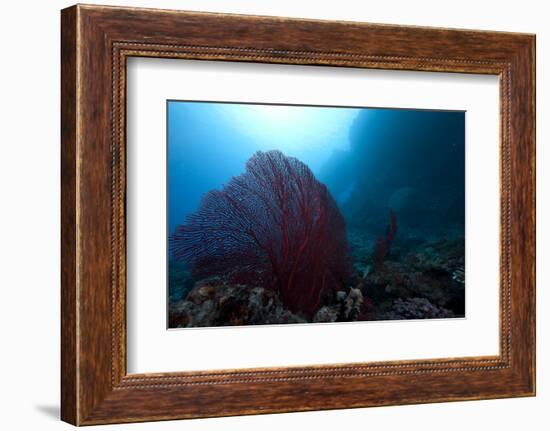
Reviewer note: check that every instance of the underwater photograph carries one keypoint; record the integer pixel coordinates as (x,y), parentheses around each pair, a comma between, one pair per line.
(287,214)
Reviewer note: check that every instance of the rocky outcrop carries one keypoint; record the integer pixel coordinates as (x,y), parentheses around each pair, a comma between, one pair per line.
(421,282)
(213,302)
(415,308)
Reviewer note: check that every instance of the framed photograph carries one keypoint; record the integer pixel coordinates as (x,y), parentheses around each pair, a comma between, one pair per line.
(287,207)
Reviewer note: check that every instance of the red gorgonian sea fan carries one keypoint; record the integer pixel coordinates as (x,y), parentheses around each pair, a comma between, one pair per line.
(276,220)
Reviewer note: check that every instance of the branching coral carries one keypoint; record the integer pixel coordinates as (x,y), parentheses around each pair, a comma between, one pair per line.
(275,224)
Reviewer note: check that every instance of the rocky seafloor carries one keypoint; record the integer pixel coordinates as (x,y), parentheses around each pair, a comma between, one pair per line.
(419,279)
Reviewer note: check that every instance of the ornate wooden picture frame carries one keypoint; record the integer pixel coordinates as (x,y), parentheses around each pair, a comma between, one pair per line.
(96,41)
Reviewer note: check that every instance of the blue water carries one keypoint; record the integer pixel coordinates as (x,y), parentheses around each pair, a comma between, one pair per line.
(371,159)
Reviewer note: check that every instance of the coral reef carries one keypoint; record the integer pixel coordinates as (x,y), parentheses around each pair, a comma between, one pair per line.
(429,270)
(213,302)
(377,233)
(343,307)
(419,280)
(326,314)
(271,247)
(414,308)
(274,226)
